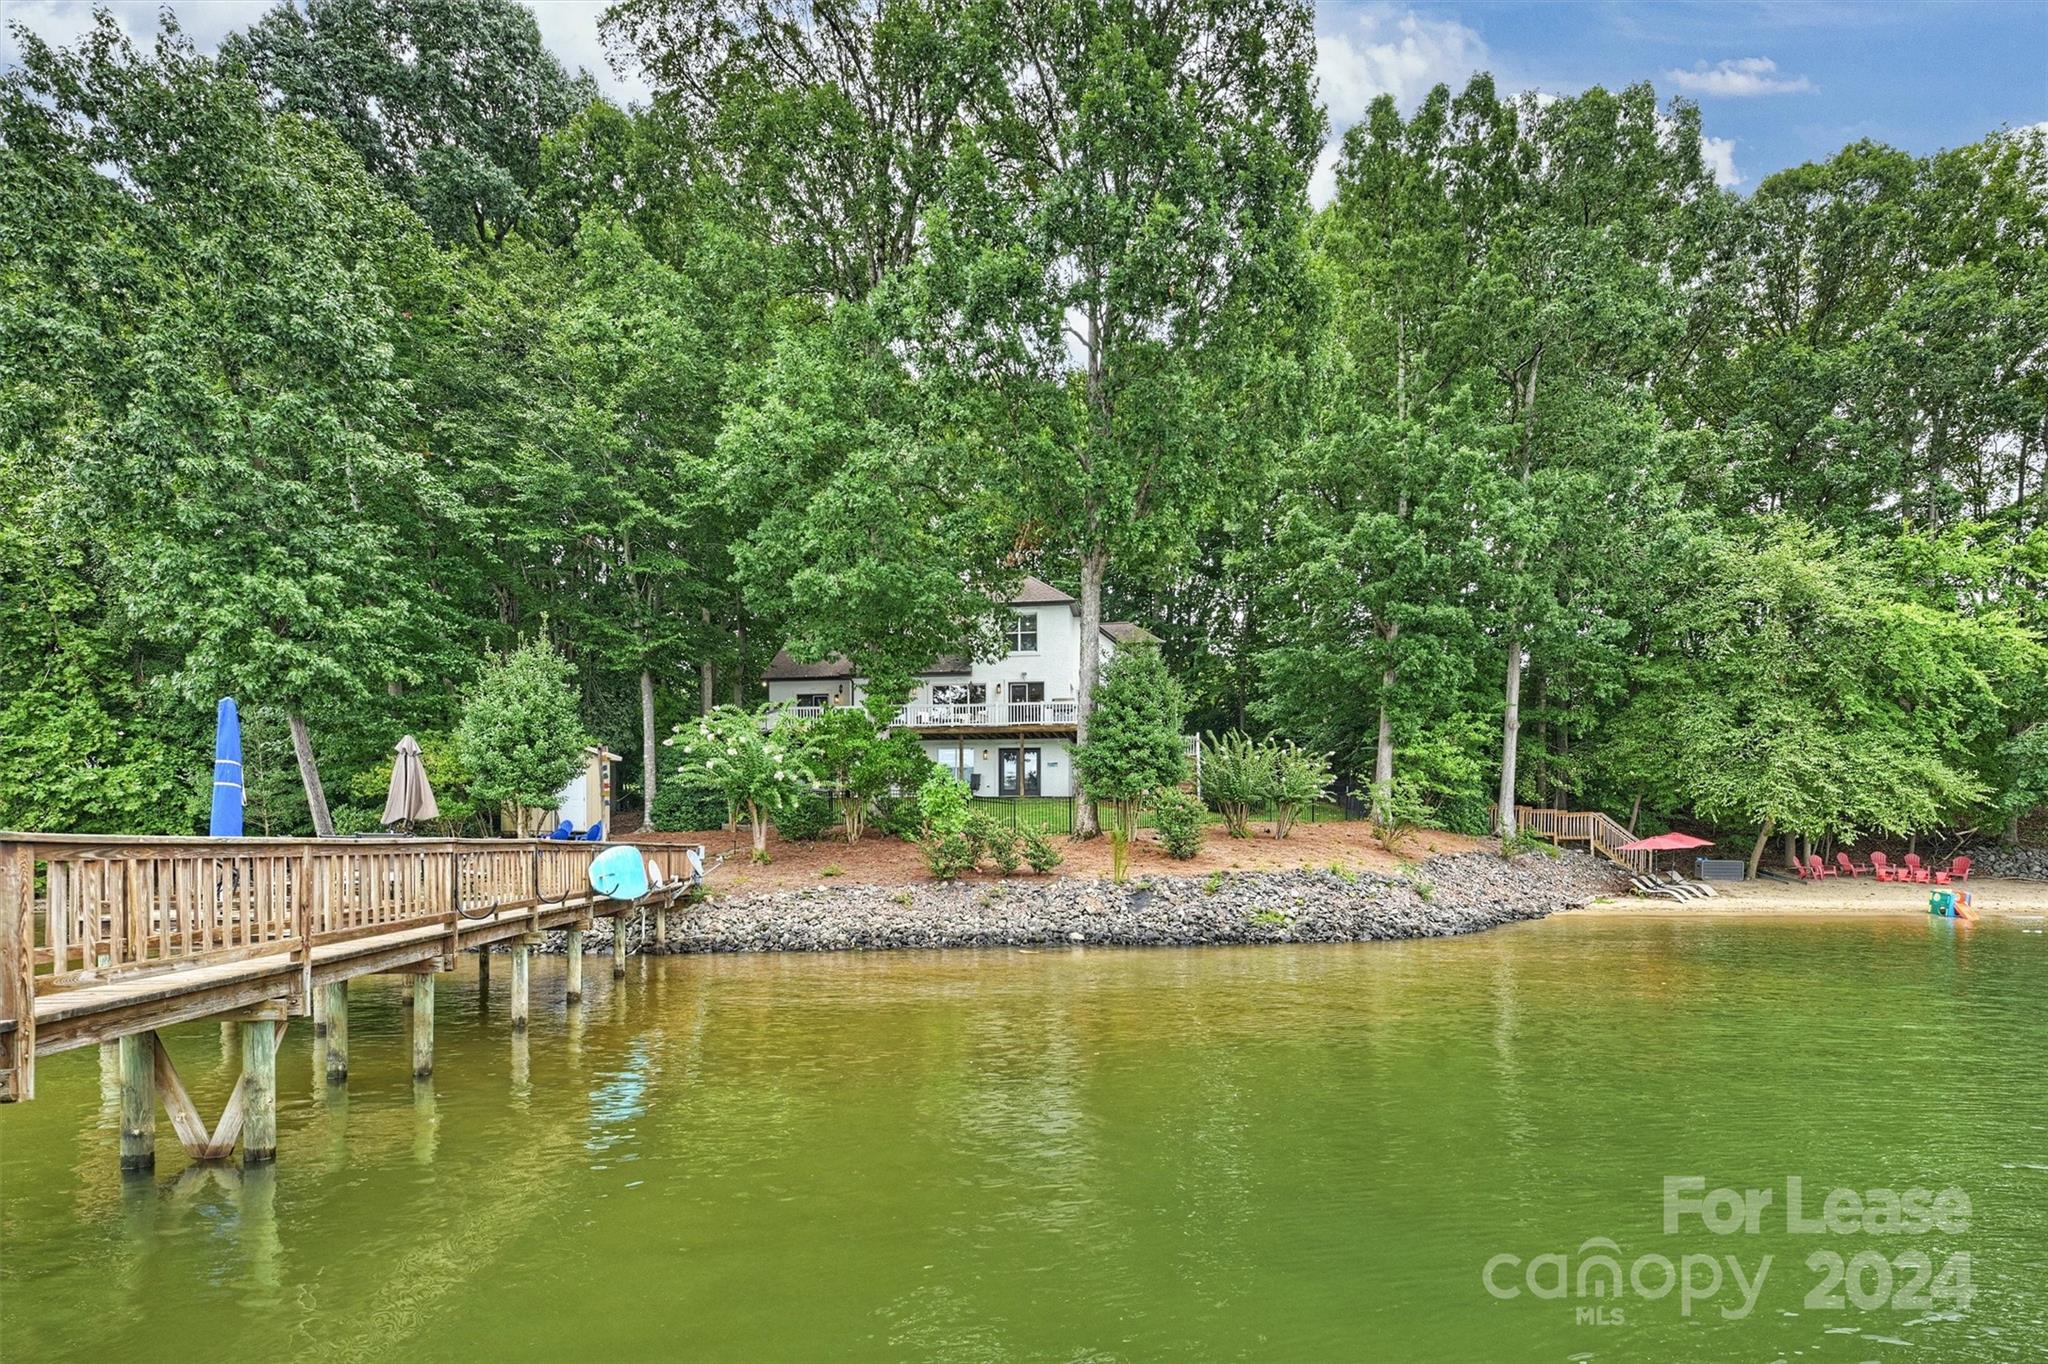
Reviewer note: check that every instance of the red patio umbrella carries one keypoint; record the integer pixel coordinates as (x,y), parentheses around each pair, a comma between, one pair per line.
(1673,842)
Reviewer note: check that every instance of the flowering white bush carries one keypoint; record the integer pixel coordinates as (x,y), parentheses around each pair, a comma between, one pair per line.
(742,753)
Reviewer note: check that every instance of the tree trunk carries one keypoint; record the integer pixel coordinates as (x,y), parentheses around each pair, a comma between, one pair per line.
(1635,812)
(707,672)
(1756,854)
(760,830)
(309,773)
(1792,852)
(1510,736)
(1383,754)
(1094,567)
(647,749)
(1383,761)
(2012,831)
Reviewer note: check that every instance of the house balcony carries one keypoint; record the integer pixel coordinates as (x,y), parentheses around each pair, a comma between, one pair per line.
(1004,716)
(1001,715)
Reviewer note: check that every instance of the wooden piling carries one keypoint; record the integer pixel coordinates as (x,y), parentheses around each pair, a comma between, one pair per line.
(138,1101)
(337,1033)
(422,1026)
(259,1082)
(660,943)
(619,923)
(522,953)
(575,960)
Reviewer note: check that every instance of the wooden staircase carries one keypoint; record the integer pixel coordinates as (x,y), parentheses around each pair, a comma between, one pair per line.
(1600,834)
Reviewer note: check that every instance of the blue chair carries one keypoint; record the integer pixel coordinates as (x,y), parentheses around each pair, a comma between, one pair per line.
(596,834)
(562,832)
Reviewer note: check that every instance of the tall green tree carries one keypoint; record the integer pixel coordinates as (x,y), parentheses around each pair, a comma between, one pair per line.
(520,735)
(446,101)
(1117,266)
(233,444)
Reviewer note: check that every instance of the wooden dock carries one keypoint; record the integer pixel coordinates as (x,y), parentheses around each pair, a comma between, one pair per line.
(106,940)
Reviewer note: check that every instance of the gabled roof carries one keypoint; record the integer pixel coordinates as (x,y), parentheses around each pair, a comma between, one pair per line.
(784,668)
(1128,632)
(1038,592)
(839,668)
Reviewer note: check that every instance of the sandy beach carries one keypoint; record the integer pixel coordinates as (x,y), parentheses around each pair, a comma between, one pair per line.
(1989,896)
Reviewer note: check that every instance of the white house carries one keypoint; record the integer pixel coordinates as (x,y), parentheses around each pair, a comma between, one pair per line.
(1005,727)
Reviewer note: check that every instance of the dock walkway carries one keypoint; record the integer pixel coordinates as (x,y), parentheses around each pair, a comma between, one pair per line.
(106,940)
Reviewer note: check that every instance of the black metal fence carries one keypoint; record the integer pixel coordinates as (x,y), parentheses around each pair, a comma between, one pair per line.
(1055,814)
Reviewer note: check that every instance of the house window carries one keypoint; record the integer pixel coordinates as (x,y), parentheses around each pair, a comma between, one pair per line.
(959,693)
(813,700)
(1023,632)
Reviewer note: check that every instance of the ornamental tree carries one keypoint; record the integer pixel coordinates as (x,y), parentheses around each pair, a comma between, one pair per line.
(1134,747)
(760,766)
(862,761)
(521,734)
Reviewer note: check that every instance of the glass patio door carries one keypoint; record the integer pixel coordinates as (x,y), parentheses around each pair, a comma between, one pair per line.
(1017,772)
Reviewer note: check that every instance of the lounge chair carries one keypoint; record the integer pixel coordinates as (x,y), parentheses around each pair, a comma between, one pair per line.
(1849,867)
(1643,885)
(1884,869)
(1913,871)
(1958,870)
(1699,890)
(564,830)
(596,834)
(1821,870)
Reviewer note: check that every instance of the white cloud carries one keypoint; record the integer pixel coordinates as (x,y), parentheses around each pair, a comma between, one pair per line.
(569,28)
(1719,154)
(1385,51)
(1737,77)
(1322,180)
(1399,53)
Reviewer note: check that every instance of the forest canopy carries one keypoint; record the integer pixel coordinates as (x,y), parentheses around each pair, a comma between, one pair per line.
(1532,467)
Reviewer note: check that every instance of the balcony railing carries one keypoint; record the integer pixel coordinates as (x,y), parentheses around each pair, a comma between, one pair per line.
(926,715)
(996,716)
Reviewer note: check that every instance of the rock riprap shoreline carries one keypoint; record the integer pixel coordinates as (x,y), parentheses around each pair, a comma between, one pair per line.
(1442,897)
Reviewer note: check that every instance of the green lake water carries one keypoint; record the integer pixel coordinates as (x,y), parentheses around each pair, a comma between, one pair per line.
(1284,1153)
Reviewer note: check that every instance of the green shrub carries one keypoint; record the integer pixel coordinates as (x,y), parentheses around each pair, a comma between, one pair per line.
(1039,853)
(1181,821)
(947,856)
(684,802)
(982,831)
(806,818)
(1237,773)
(520,734)
(944,802)
(356,819)
(1005,847)
(900,817)
(1134,737)
(1299,778)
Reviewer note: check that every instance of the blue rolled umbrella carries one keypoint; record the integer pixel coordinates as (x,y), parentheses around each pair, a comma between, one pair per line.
(227,771)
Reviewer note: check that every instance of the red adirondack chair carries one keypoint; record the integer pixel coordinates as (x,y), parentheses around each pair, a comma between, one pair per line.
(1849,868)
(1819,869)
(1914,871)
(1883,867)
(1958,870)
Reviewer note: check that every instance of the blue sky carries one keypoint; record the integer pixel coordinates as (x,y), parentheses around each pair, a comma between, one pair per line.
(1777,83)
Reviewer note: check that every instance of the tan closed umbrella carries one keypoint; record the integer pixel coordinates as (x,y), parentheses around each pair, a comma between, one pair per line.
(411,799)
